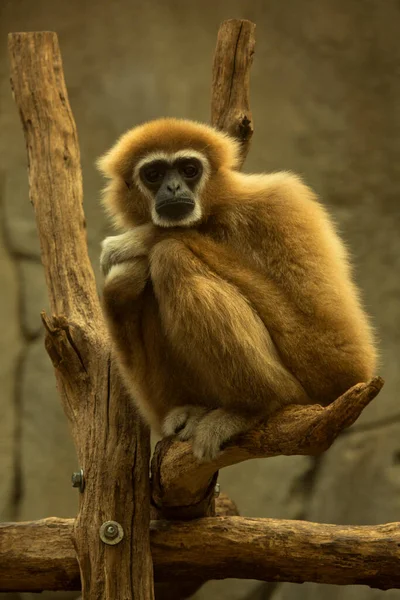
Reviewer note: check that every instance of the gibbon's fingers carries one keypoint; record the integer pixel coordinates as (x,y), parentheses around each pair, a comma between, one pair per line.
(131,244)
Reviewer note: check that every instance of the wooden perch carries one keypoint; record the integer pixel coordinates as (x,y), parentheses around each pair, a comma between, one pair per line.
(230,103)
(40,555)
(111,442)
(179,480)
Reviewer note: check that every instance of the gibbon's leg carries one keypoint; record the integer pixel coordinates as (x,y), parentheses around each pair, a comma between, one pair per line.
(218,336)
(134,322)
(123,302)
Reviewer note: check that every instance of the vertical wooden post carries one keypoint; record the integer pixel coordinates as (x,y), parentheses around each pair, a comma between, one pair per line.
(111,442)
(230,96)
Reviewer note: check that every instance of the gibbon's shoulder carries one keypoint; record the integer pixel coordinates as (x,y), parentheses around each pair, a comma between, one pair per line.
(283,185)
(283,205)
(280,191)
(281,200)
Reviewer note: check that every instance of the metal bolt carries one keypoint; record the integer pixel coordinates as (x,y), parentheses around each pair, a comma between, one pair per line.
(111,533)
(217,490)
(78,480)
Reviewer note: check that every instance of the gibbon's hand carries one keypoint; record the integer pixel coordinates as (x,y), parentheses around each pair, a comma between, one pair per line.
(126,246)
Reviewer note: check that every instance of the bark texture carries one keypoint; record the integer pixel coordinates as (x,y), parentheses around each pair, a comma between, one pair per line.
(40,554)
(111,442)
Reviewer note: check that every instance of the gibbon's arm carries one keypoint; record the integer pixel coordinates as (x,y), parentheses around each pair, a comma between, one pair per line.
(235,268)
(217,333)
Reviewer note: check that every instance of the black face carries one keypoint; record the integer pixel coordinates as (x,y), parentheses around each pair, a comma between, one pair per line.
(173,185)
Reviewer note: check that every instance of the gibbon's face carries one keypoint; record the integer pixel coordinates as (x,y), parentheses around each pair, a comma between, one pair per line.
(172,184)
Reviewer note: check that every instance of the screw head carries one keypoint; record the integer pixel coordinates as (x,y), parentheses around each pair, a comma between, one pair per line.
(78,480)
(111,533)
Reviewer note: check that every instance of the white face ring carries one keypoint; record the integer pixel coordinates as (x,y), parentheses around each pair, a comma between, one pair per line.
(171,157)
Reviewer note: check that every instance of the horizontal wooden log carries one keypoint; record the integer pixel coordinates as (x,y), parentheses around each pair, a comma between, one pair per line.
(39,555)
(179,480)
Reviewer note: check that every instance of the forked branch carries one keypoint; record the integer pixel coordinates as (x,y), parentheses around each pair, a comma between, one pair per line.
(180,480)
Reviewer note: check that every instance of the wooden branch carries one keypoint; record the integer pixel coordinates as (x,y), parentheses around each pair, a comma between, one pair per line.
(109,437)
(179,480)
(230,105)
(182,588)
(39,555)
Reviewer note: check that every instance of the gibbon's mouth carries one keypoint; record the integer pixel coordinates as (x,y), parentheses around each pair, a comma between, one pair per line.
(175,208)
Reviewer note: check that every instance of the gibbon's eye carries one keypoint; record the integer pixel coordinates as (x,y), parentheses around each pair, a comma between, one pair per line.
(154,174)
(190,170)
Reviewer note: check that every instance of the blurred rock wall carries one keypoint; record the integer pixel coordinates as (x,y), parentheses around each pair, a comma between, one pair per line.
(325,97)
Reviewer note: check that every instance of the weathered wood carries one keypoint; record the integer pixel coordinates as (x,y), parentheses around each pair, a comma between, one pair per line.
(111,442)
(40,555)
(181,589)
(230,105)
(180,480)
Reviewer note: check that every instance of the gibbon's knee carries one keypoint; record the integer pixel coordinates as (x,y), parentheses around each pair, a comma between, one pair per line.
(217,333)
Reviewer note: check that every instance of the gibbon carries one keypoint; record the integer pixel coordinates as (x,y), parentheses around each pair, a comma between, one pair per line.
(228,295)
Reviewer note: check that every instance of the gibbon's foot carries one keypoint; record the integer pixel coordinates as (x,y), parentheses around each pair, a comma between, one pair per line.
(208,430)
(183,420)
(215,429)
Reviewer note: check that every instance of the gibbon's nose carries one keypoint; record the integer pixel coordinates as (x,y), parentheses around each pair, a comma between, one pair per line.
(173,186)
(175,209)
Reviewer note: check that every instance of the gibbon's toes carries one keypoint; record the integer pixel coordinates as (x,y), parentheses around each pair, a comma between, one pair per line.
(175,420)
(196,413)
(206,444)
(182,421)
(215,430)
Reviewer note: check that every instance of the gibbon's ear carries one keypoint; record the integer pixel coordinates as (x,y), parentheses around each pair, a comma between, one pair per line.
(118,161)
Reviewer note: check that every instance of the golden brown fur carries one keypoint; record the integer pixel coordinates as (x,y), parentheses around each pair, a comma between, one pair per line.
(218,324)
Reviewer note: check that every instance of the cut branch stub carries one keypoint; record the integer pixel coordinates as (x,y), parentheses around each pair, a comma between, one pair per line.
(180,480)
(230,104)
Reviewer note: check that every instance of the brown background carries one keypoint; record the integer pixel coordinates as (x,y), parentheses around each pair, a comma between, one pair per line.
(326,103)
